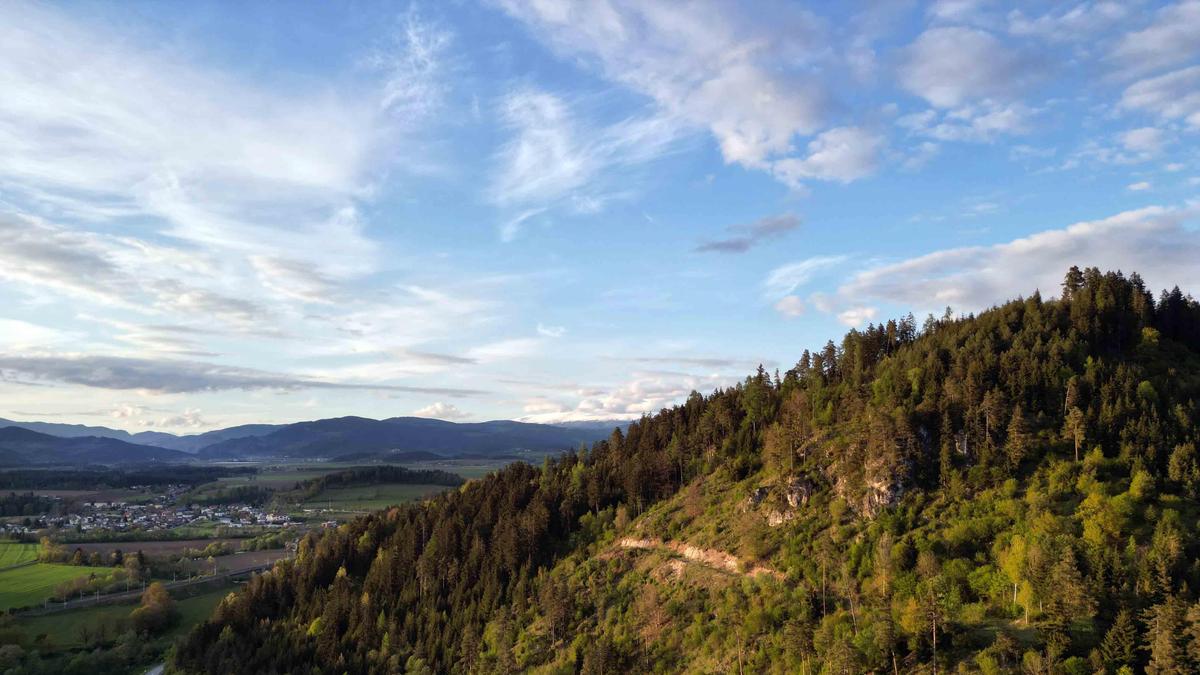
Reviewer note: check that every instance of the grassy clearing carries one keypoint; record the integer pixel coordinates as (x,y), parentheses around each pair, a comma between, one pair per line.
(15,553)
(30,585)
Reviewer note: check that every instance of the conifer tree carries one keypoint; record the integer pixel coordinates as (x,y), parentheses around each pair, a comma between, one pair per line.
(1018,437)
(1119,647)
(1164,638)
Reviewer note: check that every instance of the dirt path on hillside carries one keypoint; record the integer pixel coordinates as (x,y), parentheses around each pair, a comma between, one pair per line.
(718,560)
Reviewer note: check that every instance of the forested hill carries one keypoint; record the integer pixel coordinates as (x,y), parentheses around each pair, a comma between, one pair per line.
(1011,492)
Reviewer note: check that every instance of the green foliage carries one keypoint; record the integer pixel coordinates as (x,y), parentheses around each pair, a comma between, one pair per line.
(1000,492)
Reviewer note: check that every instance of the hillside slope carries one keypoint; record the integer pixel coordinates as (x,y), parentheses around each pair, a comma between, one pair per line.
(22,447)
(345,435)
(1013,492)
(159,439)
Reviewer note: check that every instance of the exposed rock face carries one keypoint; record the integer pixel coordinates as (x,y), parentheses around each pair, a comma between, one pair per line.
(798,491)
(880,493)
(883,480)
(759,494)
(712,558)
(777,518)
(785,500)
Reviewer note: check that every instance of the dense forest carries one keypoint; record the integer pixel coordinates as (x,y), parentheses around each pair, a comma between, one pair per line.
(1009,492)
(102,477)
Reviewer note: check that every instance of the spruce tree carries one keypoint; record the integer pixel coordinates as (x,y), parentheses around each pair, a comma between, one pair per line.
(1018,437)
(1119,647)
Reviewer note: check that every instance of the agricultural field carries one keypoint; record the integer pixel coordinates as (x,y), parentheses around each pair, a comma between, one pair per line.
(106,495)
(362,499)
(236,561)
(150,548)
(15,553)
(281,477)
(66,630)
(31,584)
(467,468)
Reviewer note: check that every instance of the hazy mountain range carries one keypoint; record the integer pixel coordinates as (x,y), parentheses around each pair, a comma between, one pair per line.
(25,443)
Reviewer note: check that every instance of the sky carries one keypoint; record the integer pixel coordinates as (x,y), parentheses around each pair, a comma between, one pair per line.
(217,213)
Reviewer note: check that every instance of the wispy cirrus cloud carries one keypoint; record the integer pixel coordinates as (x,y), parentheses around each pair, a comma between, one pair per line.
(745,77)
(697,361)
(107,270)
(556,158)
(786,279)
(138,131)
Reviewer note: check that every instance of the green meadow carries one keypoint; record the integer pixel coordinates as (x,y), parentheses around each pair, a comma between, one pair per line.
(15,553)
(31,584)
(66,630)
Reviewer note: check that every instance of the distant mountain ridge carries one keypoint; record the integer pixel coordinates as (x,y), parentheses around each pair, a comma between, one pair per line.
(24,447)
(186,443)
(359,437)
(347,435)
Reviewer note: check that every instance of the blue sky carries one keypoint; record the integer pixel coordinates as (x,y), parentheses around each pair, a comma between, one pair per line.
(213,214)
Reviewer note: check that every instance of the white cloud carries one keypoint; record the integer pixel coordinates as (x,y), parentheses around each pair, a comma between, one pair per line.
(181,196)
(413,63)
(90,118)
(1078,23)
(404,316)
(1160,243)
(958,11)
(551,331)
(1140,186)
(512,227)
(442,411)
(979,123)
(1172,96)
(643,392)
(541,406)
(1172,38)
(112,271)
(553,157)
(790,306)
(842,154)
(1145,141)
(920,155)
(189,419)
(784,280)
(951,66)
(744,76)
(857,316)
(294,279)
(17,335)
(504,350)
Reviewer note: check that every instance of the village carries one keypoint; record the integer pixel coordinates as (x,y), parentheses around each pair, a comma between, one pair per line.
(165,512)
